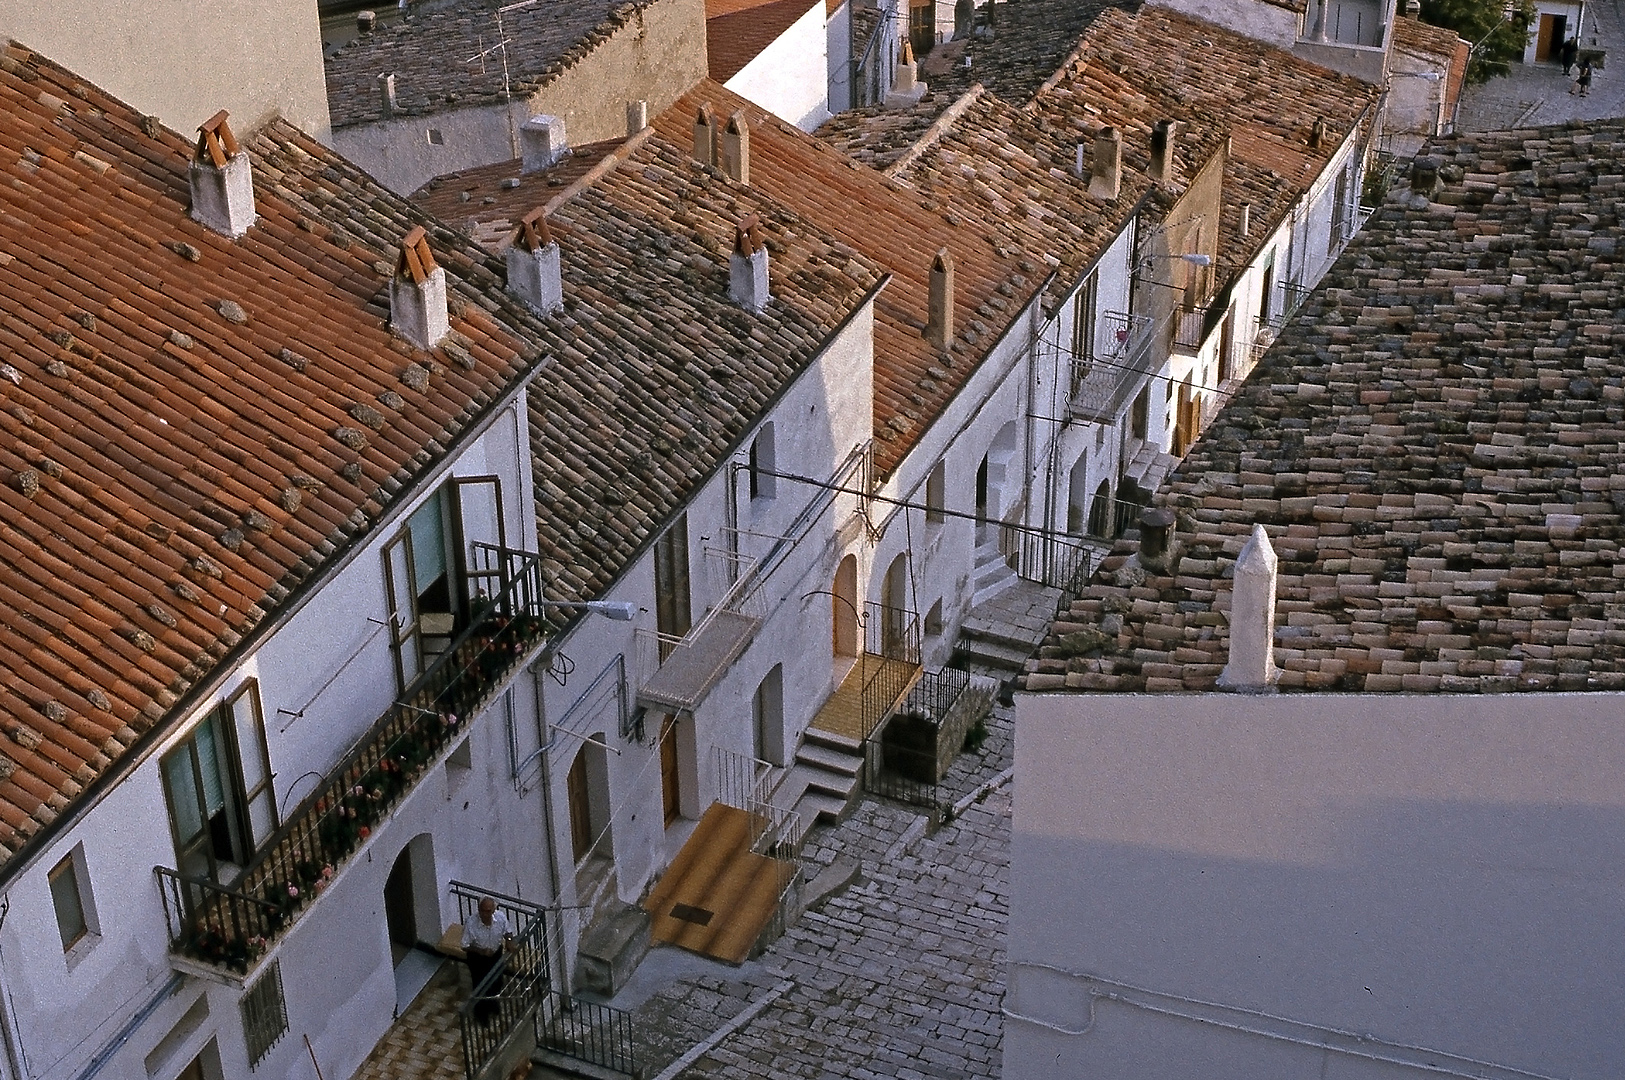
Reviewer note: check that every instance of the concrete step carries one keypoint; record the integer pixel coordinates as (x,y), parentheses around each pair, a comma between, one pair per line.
(611,950)
(829,758)
(993,655)
(999,634)
(833,740)
(839,784)
(815,806)
(993,588)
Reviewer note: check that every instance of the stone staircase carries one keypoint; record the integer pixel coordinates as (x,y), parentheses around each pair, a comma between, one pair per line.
(824,780)
(1150,467)
(993,573)
(1000,634)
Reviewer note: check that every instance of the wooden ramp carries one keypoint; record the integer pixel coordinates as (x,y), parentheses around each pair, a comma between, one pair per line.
(842,714)
(717,895)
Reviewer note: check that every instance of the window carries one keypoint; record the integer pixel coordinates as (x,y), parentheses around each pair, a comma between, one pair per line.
(1140,414)
(672,613)
(933,620)
(936,494)
(438,565)
(767,710)
(1083,332)
(265,1013)
(763,482)
(218,786)
(70,895)
(1340,196)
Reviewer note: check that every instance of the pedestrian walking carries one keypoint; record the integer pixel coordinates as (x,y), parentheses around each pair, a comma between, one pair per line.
(1582,85)
(1571,53)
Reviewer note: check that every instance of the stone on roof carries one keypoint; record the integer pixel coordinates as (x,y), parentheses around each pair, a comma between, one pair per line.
(1434,447)
(191,427)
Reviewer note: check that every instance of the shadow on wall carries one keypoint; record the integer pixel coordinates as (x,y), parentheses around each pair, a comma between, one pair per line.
(1485,930)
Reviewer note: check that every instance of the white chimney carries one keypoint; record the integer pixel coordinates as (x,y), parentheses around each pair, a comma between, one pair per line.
(222,181)
(533,264)
(637,116)
(386,94)
(417,293)
(1106,169)
(939,321)
(1246,218)
(1162,150)
(736,148)
(1252,618)
(908,71)
(747,267)
(541,142)
(705,137)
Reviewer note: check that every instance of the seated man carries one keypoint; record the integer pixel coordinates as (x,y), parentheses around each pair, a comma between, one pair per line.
(484,938)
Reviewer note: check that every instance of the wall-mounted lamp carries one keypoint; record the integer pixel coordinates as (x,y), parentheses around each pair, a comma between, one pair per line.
(618,610)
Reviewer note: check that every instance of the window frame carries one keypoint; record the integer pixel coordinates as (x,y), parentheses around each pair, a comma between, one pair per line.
(224,722)
(71,869)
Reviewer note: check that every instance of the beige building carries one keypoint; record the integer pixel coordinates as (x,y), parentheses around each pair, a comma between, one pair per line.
(183,61)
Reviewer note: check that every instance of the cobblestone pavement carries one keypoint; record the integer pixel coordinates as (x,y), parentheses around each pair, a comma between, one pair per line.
(900,976)
(1539,93)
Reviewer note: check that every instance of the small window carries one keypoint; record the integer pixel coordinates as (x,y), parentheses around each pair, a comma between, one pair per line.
(763,482)
(933,620)
(1140,415)
(936,494)
(70,894)
(265,1014)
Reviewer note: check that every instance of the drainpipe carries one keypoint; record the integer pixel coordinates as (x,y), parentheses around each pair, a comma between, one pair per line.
(536,675)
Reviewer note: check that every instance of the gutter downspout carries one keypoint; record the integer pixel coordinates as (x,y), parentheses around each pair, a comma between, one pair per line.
(116,1043)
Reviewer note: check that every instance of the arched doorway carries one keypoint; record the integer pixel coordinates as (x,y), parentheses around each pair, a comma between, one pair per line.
(894,605)
(1100,510)
(587,791)
(997,480)
(845,607)
(412,898)
(1077,496)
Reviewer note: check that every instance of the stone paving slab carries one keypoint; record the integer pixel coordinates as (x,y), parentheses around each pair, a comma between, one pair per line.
(900,976)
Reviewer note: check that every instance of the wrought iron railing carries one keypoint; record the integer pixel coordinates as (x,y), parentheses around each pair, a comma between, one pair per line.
(507,995)
(231,926)
(891,659)
(1057,560)
(734,577)
(905,768)
(1188,329)
(742,781)
(1103,382)
(598,1034)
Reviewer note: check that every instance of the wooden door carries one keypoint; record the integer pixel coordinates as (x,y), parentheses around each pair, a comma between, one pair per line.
(670,791)
(575,786)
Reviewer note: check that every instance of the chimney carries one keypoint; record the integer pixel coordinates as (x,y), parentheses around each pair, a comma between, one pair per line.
(736,148)
(705,137)
(1106,171)
(637,116)
(1317,133)
(1246,218)
(533,264)
(747,266)
(1156,538)
(386,92)
(222,182)
(939,323)
(542,143)
(417,293)
(908,73)
(1162,150)
(1413,9)
(366,21)
(1252,618)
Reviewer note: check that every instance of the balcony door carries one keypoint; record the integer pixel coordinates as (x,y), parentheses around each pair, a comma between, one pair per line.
(673,616)
(218,787)
(440,567)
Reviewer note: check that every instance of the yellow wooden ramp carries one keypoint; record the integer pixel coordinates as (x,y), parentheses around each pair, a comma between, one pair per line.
(717,895)
(842,714)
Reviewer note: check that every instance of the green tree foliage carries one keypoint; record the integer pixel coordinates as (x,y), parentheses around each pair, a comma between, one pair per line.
(1496,29)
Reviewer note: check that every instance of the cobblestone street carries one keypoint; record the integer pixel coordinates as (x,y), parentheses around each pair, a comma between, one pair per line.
(901,975)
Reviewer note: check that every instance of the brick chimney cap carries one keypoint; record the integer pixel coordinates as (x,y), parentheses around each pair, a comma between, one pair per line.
(215,140)
(416,259)
(942,260)
(737,124)
(703,115)
(748,236)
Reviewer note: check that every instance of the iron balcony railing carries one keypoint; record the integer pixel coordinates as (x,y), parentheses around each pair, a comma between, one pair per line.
(903,766)
(232,925)
(1058,560)
(510,992)
(675,673)
(598,1034)
(1103,381)
(890,660)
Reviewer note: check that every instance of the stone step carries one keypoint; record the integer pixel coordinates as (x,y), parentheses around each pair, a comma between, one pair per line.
(611,950)
(833,740)
(991,589)
(829,758)
(993,655)
(816,806)
(1003,635)
(839,784)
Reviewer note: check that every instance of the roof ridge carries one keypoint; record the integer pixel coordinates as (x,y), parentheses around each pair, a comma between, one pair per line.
(609,164)
(935,132)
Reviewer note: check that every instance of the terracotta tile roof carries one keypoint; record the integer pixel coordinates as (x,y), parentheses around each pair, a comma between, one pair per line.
(1032,39)
(437,59)
(488,202)
(736,31)
(658,376)
(1131,70)
(1436,447)
(190,427)
(1416,36)
(901,231)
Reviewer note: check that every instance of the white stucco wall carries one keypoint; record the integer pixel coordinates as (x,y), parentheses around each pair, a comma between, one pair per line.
(184,61)
(838,46)
(1254,18)
(1250,875)
(791,77)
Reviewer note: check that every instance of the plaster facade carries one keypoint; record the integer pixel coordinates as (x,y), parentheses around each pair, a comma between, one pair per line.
(791,78)
(183,62)
(1346,885)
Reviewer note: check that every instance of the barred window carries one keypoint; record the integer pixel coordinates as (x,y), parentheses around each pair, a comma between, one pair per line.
(265,1014)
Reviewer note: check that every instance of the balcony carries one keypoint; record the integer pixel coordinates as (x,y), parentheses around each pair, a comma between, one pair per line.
(676,673)
(1103,383)
(232,927)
